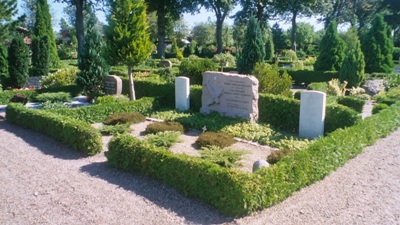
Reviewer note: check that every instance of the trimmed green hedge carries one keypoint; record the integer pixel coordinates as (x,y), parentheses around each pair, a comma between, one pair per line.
(238,193)
(352,102)
(98,113)
(72,132)
(308,76)
(284,114)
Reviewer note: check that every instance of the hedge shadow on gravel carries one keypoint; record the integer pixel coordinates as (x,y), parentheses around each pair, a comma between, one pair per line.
(158,193)
(42,142)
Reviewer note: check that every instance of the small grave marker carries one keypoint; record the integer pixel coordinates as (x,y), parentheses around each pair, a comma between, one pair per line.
(165,64)
(312,114)
(112,85)
(182,92)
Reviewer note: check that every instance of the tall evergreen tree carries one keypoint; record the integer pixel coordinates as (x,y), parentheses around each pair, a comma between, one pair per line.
(43,28)
(40,56)
(92,65)
(352,69)
(128,41)
(279,38)
(3,63)
(18,62)
(331,50)
(253,48)
(377,47)
(8,8)
(269,46)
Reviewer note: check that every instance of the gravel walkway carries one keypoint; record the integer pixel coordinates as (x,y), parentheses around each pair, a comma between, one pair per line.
(43,182)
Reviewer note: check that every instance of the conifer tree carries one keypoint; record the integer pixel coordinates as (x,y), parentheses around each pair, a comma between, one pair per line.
(92,65)
(18,62)
(352,69)
(40,56)
(253,48)
(43,28)
(378,47)
(3,63)
(175,48)
(331,50)
(128,41)
(269,47)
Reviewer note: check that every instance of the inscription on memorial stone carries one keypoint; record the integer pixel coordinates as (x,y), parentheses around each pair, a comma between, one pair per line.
(230,94)
(112,85)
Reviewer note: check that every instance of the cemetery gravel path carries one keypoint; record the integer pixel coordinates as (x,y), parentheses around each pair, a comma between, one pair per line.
(44,182)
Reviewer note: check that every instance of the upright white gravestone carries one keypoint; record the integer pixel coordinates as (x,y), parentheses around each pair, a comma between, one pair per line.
(182,93)
(312,114)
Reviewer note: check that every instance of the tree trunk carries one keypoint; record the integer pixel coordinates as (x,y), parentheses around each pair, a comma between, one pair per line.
(294,28)
(79,26)
(131,87)
(161,24)
(220,22)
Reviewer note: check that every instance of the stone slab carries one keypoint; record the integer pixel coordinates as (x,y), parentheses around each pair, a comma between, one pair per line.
(182,93)
(165,63)
(230,94)
(312,114)
(112,85)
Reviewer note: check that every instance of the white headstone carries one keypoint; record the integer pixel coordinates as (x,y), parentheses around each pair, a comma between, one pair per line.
(230,94)
(312,114)
(182,93)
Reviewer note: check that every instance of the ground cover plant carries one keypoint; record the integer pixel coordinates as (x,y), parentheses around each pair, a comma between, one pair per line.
(224,157)
(219,139)
(116,129)
(125,117)
(157,127)
(163,139)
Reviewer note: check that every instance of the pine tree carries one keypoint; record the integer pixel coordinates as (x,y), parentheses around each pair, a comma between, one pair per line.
(269,47)
(40,56)
(352,69)
(92,65)
(331,50)
(128,41)
(3,63)
(253,48)
(43,28)
(377,47)
(18,62)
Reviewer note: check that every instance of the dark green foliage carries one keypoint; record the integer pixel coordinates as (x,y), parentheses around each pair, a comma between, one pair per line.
(277,155)
(318,86)
(307,76)
(384,99)
(352,69)
(331,50)
(269,47)
(280,40)
(43,28)
(195,68)
(92,65)
(223,157)
(3,64)
(40,56)
(212,122)
(377,46)
(157,127)
(338,116)
(126,117)
(54,97)
(270,80)
(379,107)
(72,132)
(98,113)
(115,129)
(352,102)
(8,9)
(163,139)
(297,95)
(253,49)
(237,193)
(74,90)
(219,139)
(6,95)
(18,62)
(19,98)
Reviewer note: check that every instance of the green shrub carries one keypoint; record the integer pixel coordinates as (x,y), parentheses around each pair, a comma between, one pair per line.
(164,139)
(116,129)
(18,62)
(125,117)
(297,95)
(277,155)
(227,158)
(54,97)
(307,76)
(62,77)
(318,86)
(394,93)
(338,116)
(270,81)
(19,98)
(355,103)
(53,105)
(6,95)
(195,68)
(157,127)
(384,99)
(111,99)
(72,132)
(378,107)
(74,90)
(219,139)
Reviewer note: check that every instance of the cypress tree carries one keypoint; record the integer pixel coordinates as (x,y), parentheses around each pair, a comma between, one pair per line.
(353,66)
(92,65)
(331,50)
(128,40)
(378,47)
(18,62)
(253,48)
(43,28)
(269,47)
(40,56)
(3,63)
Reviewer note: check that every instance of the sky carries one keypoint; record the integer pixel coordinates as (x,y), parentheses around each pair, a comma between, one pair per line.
(191,20)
